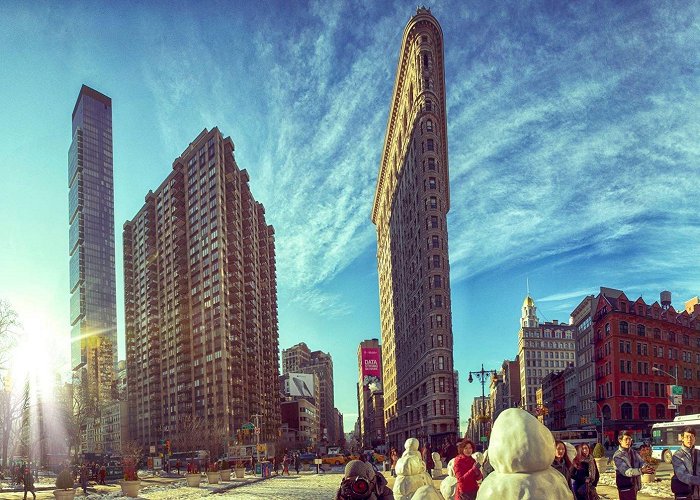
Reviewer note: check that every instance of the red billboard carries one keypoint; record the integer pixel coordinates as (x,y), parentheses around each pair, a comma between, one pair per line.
(371,368)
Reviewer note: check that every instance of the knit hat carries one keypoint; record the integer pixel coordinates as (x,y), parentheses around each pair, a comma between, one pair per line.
(357,468)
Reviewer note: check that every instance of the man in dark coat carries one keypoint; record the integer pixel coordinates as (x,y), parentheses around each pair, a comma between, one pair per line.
(28,480)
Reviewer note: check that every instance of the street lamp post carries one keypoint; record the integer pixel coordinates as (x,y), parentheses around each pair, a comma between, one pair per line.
(675,379)
(482,375)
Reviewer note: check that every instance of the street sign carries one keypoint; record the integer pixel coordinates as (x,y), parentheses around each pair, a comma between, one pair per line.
(483,439)
(595,421)
(677,390)
(248,426)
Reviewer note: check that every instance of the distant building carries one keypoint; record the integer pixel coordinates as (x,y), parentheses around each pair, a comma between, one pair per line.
(300,358)
(200,293)
(370,394)
(505,392)
(584,413)
(93,303)
(543,348)
(300,427)
(410,209)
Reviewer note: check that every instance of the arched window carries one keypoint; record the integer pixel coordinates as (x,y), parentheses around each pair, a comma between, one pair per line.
(641,331)
(660,412)
(626,411)
(644,411)
(607,329)
(624,327)
(429,125)
(606,412)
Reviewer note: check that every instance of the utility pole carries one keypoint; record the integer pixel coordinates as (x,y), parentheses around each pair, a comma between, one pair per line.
(257,437)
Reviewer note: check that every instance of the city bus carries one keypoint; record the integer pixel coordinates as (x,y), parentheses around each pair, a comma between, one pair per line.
(577,436)
(665,436)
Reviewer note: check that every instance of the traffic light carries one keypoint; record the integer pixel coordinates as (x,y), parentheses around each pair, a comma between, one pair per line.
(167,446)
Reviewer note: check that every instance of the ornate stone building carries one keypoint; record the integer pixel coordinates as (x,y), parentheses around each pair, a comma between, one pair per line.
(410,207)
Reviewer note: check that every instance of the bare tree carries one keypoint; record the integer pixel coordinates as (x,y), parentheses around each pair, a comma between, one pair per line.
(8,324)
(190,433)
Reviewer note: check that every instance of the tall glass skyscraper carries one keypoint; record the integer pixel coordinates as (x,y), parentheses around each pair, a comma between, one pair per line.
(93,313)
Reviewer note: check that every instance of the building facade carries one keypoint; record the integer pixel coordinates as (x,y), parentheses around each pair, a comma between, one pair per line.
(201,305)
(93,302)
(409,211)
(543,348)
(582,320)
(370,394)
(299,358)
(300,425)
(505,389)
(640,350)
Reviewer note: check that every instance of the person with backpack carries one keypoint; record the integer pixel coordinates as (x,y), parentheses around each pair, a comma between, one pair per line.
(685,482)
(361,482)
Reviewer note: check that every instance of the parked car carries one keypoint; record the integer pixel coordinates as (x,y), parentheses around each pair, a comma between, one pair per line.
(307,457)
(333,459)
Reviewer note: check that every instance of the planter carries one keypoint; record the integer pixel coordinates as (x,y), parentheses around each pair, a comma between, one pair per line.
(64,494)
(240,472)
(648,478)
(193,479)
(131,488)
(213,477)
(225,474)
(602,464)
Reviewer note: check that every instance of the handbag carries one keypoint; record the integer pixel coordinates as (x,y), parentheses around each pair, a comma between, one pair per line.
(678,487)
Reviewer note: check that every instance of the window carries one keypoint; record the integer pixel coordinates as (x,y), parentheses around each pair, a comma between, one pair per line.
(432,182)
(657,334)
(641,330)
(437,281)
(436,261)
(607,329)
(433,221)
(441,362)
(431,163)
(624,327)
(433,202)
(436,241)
(430,145)
(644,411)
(429,125)
(626,411)
(428,105)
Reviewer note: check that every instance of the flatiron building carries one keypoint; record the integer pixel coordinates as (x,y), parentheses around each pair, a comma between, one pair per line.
(410,207)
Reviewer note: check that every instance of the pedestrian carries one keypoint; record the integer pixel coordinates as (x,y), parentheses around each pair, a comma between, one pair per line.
(297,462)
(285,465)
(394,455)
(467,471)
(28,480)
(84,478)
(584,474)
(629,466)
(103,474)
(561,462)
(428,459)
(685,480)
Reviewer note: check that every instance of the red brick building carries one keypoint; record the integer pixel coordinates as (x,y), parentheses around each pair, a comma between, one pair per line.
(639,347)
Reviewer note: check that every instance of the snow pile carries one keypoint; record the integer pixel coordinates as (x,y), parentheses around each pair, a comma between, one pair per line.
(521,453)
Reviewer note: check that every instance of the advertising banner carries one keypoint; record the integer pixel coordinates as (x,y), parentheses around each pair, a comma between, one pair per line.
(301,384)
(371,369)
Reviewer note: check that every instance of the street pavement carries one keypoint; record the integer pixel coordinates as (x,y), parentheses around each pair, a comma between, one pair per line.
(305,486)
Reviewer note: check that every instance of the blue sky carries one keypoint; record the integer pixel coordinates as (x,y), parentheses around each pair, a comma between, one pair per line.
(573,144)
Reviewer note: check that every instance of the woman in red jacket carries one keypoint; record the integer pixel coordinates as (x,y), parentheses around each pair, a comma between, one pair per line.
(467,471)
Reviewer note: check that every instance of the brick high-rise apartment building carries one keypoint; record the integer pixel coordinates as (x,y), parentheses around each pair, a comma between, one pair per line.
(410,208)
(201,305)
(93,303)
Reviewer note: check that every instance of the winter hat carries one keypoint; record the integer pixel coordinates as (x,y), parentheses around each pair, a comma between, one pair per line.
(356,468)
